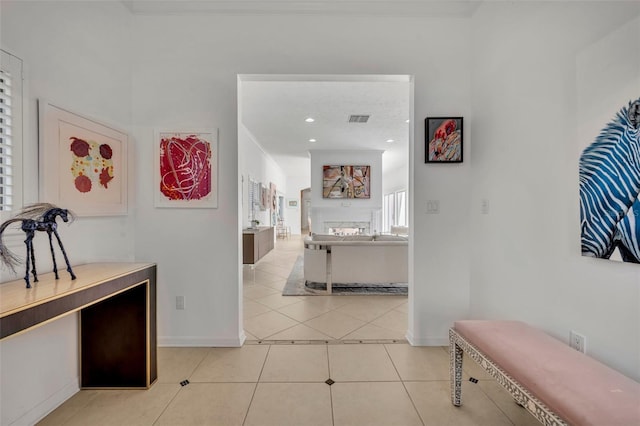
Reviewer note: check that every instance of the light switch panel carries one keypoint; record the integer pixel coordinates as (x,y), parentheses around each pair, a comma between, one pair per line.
(433,206)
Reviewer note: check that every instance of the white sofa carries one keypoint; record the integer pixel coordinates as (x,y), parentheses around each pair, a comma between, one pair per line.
(362,259)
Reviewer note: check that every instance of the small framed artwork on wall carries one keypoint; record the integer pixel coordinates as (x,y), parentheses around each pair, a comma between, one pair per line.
(443,140)
(84,163)
(186,168)
(346,181)
(292,203)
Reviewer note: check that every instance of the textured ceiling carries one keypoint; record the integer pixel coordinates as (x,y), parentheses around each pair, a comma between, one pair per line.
(431,8)
(274,113)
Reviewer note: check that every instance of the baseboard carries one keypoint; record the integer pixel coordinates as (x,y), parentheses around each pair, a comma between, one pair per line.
(200,341)
(40,411)
(426,341)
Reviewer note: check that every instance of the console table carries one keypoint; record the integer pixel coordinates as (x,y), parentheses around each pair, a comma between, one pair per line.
(116,303)
(256,243)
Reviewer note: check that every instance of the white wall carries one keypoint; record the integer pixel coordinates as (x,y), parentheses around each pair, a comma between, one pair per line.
(395,180)
(257,165)
(75,55)
(528,101)
(210,51)
(39,371)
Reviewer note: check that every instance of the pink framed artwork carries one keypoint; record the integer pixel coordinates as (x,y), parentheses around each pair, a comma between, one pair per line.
(264,197)
(443,140)
(83,163)
(186,169)
(346,181)
(273,198)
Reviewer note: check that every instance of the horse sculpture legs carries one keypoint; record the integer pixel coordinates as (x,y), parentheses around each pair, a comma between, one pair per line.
(30,258)
(53,256)
(64,253)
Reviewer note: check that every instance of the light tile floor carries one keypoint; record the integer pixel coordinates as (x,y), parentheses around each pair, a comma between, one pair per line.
(270,381)
(269,316)
(284,384)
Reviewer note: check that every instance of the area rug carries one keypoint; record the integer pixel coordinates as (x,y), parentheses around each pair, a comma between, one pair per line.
(296,285)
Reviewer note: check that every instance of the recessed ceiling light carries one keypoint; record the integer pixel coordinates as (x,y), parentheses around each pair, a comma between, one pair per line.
(312,140)
(390,140)
(309,120)
(407,121)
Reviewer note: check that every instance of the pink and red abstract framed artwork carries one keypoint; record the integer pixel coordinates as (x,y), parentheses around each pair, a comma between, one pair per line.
(443,140)
(83,163)
(346,181)
(186,169)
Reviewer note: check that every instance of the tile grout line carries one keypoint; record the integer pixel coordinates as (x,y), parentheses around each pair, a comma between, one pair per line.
(365,324)
(403,385)
(496,404)
(295,319)
(445,349)
(333,419)
(322,332)
(200,363)
(280,331)
(166,407)
(180,389)
(255,388)
(353,331)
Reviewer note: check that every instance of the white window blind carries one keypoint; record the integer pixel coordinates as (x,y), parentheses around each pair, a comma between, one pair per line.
(10,133)
(395,211)
(388,212)
(251,191)
(401,216)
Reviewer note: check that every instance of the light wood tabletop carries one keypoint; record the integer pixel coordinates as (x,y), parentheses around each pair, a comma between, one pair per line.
(14,297)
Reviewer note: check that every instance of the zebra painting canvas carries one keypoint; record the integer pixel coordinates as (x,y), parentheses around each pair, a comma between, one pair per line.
(610,189)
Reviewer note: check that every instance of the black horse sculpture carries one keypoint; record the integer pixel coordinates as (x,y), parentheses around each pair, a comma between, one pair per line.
(36,217)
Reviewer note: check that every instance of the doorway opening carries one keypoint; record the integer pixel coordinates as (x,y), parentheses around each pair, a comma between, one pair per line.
(289,128)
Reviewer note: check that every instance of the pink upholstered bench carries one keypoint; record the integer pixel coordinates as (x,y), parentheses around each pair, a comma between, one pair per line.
(554,382)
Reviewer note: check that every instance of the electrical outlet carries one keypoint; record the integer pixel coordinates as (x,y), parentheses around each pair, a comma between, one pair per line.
(433,206)
(180,303)
(484,206)
(578,342)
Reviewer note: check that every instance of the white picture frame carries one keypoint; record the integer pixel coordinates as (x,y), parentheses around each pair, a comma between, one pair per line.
(186,168)
(83,163)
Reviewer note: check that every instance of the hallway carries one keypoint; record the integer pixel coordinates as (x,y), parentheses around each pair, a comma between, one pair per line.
(270,316)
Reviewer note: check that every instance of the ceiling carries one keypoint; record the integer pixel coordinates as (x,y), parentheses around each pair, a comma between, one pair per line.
(430,8)
(274,113)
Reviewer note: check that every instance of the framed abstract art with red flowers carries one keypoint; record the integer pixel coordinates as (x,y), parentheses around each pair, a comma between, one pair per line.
(186,169)
(83,163)
(443,140)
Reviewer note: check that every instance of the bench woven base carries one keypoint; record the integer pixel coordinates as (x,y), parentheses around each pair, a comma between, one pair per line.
(458,345)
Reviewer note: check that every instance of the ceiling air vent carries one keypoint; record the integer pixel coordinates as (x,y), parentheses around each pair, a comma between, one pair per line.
(358,118)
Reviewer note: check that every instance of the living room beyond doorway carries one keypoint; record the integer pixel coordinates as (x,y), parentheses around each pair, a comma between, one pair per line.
(291,128)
